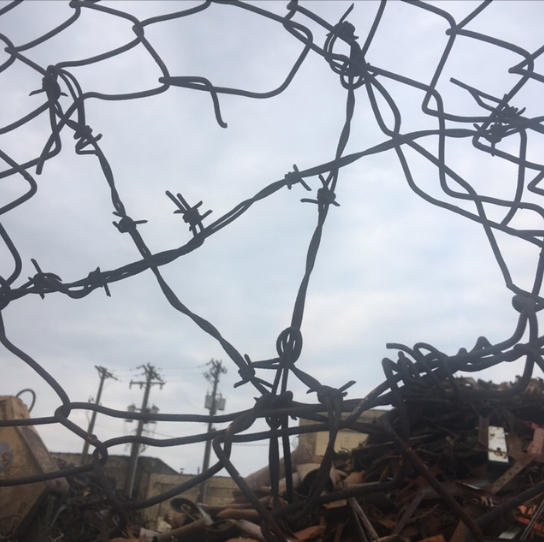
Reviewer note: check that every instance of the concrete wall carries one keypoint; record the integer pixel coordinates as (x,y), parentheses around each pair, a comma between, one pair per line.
(316,443)
(219,491)
(115,469)
(154,477)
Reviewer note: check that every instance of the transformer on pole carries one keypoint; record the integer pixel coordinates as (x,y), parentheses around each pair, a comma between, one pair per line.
(213,403)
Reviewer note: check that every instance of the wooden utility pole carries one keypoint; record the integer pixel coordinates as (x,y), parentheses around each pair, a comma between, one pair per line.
(104,373)
(151,378)
(213,406)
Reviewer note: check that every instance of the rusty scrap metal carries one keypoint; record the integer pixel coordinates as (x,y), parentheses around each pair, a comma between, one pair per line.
(418,507)
(457,468)
(424,474)
(24,455)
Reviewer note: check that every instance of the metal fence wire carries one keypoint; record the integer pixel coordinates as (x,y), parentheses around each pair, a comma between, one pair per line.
(421,372)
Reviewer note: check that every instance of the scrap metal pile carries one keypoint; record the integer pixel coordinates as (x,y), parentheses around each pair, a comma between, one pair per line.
(471,472)
(461,462)
(475,471)
(451,460)
(81,514)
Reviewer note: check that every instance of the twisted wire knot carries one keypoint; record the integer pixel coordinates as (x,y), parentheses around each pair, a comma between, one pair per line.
(247,372)
(85,137)
(127,224)
(525,303)
(96,279)
(45,282)
(294,177)
(191,215)
(5,291)
(325,196)
(502,125)
(50,85)
(327,393)
(289,344)
(352,69)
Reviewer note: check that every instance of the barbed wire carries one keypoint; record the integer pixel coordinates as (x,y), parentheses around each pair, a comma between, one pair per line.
(420,372)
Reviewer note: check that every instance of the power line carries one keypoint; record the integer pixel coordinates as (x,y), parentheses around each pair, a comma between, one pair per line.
(151,378)
(212,404)
(104,374)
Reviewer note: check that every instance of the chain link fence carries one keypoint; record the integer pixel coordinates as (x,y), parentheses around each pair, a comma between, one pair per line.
(497,124)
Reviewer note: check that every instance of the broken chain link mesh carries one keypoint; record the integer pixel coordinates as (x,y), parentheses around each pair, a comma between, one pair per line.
(500,129)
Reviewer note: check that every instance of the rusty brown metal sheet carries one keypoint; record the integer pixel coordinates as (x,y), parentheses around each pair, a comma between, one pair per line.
(23,454)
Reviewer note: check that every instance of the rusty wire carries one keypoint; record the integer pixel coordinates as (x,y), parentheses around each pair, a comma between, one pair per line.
(421,372)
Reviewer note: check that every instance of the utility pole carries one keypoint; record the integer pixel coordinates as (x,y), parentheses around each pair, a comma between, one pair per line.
(104,373)
(151,378)
(213,404)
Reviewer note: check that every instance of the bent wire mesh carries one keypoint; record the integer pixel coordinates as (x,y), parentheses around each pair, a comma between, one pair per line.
(443,102)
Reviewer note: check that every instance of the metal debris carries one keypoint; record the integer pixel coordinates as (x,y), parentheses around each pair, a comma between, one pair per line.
(413,508)
(25,508)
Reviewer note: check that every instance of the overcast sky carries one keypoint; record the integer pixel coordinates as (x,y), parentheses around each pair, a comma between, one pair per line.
(391,267)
